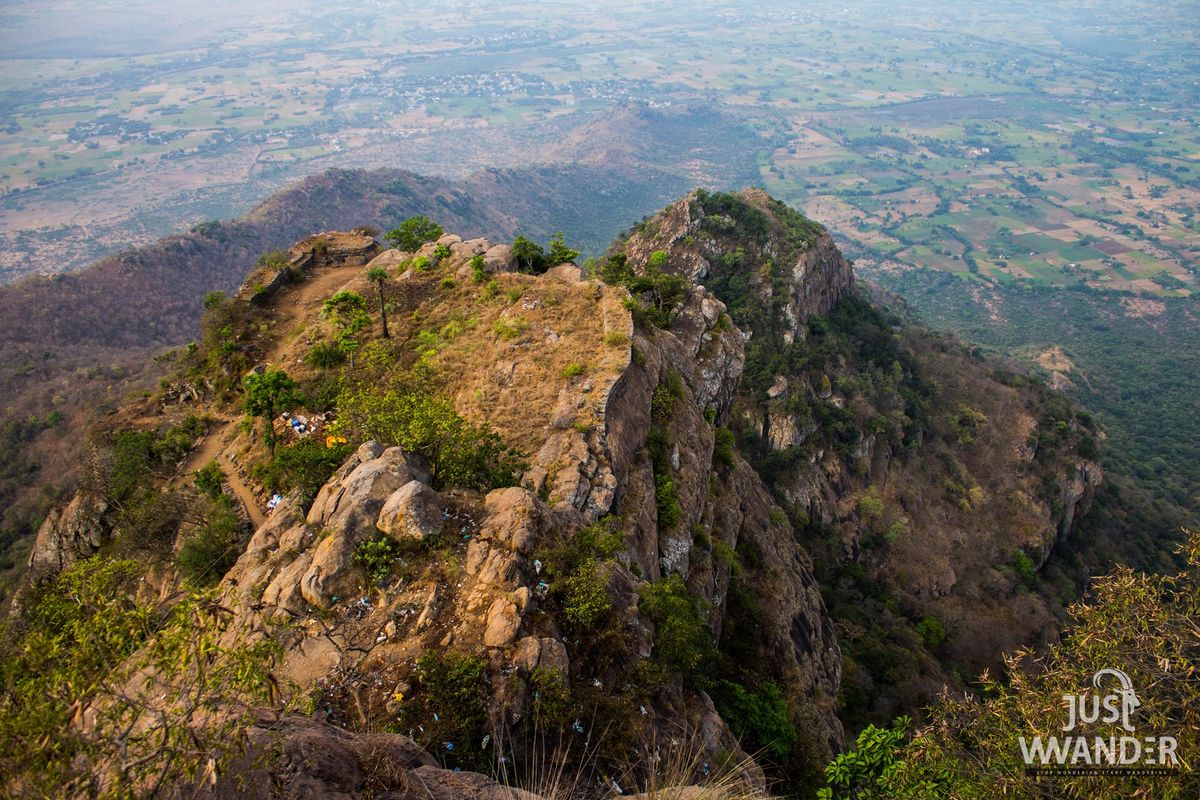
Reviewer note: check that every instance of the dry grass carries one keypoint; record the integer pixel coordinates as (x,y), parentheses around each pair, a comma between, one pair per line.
(669,768)
(509,358)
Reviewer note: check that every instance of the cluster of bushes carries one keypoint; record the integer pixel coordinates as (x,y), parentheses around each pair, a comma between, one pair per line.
(82,639)
(208,552)
(406,409)
(532,258)
(302,467)
(967,749)
(128,470)
(654,294)
(226,347)
(449,711)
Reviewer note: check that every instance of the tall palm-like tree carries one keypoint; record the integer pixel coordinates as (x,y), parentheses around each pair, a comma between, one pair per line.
(378,276)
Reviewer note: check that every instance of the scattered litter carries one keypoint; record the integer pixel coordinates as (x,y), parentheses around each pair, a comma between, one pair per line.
(537,566)
(577,726)
(448,745)
(642,709)
(597,684)
(541,590)
(486,740)
(436,718)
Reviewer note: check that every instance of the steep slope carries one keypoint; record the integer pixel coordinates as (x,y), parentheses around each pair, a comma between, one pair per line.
(930,485)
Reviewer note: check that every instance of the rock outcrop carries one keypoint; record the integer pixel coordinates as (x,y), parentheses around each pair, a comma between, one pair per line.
(69,534)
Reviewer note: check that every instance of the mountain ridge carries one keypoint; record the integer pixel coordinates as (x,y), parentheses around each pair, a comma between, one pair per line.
(680,497)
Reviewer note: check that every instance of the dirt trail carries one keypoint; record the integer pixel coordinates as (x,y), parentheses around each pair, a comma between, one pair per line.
(291,307)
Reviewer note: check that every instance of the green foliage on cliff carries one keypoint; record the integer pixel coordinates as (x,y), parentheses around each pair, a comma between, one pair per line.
(450,707)
(577,568)
(761,715)
(683,643)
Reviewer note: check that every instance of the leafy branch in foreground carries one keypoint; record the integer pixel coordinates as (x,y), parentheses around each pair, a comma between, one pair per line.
(119,696)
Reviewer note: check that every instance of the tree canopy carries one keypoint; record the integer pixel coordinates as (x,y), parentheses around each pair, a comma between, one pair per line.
(414,232)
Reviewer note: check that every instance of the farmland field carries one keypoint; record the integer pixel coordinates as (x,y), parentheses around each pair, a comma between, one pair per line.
(1058,152)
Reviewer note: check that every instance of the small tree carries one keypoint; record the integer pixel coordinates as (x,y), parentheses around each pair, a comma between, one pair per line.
(348,311)
(529,255)
(267,393)
(414,232)
(559,252)
(378,275)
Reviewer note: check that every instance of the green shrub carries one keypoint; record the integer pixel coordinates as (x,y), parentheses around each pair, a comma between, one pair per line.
(207,554)
(724,554)
(303,467)
(377,556)
(551,699)
(723,447)
(682,642)
(451,706)
(447,283)
(666,499)
(585,595)
(578,571)
(760,715)
(509,327)
(965,423)
(615,270)
(861,772)
(933,633)
(324,355)
(441,252)
(414,232)
(210,480)
(573,370)
(479,271)
(408,411)
(870,505)
(1022,566)
(616,339)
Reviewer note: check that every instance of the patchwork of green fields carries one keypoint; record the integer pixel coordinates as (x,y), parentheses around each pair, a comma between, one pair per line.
(1024,151)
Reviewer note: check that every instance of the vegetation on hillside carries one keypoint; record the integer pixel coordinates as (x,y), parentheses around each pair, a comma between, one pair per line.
(1144,625)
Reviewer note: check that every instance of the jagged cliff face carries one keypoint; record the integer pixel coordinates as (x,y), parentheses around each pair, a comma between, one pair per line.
(906,463)
(648,568)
